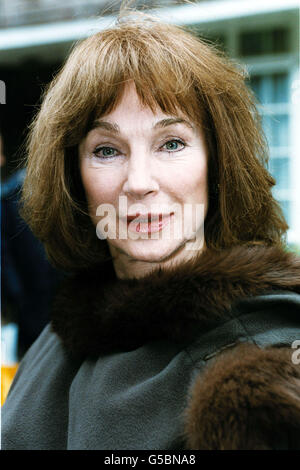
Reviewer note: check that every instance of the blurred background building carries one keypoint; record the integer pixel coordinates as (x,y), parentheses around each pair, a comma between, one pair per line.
(261,35)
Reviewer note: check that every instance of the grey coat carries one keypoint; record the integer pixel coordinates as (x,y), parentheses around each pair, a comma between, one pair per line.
(198,358)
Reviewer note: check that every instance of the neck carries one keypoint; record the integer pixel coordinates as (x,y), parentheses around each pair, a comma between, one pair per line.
(128,267)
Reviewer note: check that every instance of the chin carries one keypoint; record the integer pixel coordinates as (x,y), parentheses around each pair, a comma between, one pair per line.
(148,250)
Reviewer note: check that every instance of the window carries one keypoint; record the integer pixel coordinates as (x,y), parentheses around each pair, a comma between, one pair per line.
(272,91)
(274,41)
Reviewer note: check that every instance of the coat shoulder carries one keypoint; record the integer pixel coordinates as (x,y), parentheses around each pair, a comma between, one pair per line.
(270,319)
(246,394)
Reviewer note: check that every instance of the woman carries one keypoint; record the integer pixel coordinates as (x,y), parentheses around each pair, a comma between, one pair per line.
(177,327)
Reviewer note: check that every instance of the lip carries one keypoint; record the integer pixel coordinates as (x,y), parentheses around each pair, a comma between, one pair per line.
(148,216)
(155,222)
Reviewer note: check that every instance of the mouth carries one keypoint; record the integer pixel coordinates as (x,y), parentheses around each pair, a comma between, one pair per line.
(148,223)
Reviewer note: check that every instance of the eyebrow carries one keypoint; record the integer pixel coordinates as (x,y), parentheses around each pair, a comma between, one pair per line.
(114,128)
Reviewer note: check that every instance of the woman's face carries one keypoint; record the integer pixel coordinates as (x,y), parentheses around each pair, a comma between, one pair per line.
(145,179)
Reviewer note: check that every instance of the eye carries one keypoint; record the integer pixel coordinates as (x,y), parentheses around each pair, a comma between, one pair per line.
(105,152)
(173,145)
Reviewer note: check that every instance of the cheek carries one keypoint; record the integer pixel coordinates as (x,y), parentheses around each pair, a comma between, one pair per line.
(192,183)
(100,187)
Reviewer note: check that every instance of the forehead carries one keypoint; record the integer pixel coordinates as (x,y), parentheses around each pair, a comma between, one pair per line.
(129,110)
(130,103)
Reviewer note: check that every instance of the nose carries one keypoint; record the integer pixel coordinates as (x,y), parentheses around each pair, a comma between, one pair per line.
(140,179)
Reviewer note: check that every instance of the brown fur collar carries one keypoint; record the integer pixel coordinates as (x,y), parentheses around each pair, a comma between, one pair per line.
(247,399)
(94,312)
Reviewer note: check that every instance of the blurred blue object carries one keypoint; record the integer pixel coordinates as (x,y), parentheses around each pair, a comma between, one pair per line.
(28,281)
(15,182)
(9,344)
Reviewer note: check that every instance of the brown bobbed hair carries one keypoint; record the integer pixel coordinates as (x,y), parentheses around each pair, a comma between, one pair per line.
(172,69)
